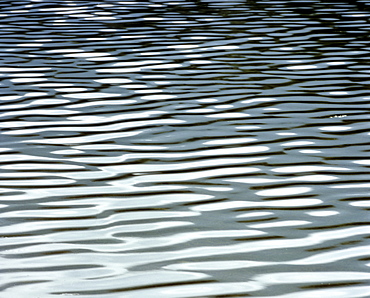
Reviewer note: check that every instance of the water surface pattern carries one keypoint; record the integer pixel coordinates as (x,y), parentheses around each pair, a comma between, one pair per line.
(204,148)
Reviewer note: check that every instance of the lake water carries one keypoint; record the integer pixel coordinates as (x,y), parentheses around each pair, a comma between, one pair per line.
(204,148)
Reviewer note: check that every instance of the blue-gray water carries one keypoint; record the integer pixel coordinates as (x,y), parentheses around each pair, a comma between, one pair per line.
(204,148)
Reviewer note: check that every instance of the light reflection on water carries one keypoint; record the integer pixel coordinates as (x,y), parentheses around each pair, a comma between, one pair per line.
(184,149)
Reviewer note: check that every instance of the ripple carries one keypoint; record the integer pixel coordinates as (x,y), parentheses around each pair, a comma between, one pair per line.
(288,191)
(91,95)
(158,97)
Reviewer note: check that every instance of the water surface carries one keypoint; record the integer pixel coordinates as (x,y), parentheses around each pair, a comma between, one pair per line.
(185,148)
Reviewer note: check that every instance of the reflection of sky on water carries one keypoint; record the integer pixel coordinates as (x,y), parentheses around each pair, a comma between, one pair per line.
(184,149)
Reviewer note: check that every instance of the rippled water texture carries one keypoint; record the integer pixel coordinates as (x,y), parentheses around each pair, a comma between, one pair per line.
(204,148)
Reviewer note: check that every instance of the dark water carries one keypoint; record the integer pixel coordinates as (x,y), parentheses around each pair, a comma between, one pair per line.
(185,149)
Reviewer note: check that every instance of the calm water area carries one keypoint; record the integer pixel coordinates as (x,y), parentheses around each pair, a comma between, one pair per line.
(177,149)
